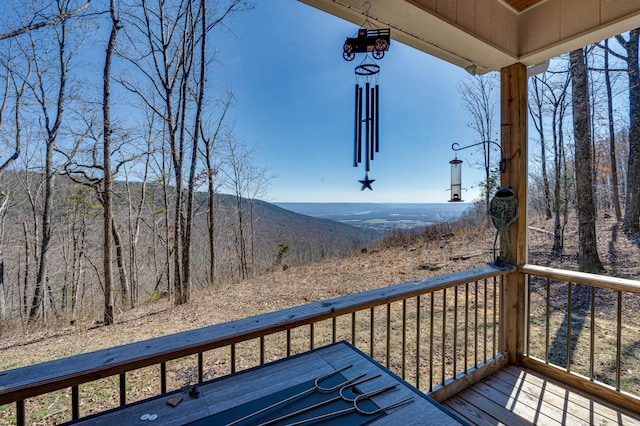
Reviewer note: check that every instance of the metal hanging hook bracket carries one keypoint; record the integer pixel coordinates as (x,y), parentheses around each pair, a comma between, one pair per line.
(503,162)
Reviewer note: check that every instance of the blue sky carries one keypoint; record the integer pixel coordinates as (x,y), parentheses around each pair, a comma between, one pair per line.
(294,93)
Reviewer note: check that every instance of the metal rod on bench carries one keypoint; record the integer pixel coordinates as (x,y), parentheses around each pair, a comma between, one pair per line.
(315,387)
(321,403)
(356,408)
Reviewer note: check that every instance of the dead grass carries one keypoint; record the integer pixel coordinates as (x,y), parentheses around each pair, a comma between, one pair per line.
(398,260)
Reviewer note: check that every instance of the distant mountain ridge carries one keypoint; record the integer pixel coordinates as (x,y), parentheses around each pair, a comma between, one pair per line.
(382,216)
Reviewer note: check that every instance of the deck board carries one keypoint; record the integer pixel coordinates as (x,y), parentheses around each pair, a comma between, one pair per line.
(518,396)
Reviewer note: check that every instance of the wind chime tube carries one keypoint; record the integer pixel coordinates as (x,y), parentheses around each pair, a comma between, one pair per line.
(367,125)
(372,123)
(377,131)
(359,125)
(357,129)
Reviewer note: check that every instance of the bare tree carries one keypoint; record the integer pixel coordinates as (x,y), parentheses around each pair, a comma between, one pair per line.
(631,221)
(536,111)
(14,145)
(108,223)
(211,170)
(588,259)
(51,127)
(174,63)
(38,21)
(615,187)
(245,182)
(477,99)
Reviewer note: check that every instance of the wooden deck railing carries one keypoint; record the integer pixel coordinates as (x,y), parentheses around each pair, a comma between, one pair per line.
(584,329)
(435,333)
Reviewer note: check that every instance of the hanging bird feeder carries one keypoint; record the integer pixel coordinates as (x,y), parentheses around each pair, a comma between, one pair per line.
(456,168)
(456,180)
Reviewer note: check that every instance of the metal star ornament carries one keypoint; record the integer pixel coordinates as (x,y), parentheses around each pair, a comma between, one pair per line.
(366,183)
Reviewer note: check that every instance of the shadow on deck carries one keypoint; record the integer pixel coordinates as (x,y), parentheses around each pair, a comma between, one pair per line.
(519,396)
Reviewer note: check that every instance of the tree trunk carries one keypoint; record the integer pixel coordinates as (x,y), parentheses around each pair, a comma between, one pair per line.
(3,303)
(37,301)
(537,114)
(615,195)
(51,130)
(588,259)
(107,188)
(631,220)
(122,268)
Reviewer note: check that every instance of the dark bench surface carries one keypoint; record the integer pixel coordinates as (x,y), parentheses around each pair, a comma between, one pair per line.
(248,386)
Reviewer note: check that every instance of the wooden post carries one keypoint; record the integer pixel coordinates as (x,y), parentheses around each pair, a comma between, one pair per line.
(513,112)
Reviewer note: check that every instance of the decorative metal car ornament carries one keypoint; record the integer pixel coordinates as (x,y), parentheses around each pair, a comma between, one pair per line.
(373,43)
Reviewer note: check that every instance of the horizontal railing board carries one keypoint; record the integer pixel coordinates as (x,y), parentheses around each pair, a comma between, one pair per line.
(593,280)
(29,381)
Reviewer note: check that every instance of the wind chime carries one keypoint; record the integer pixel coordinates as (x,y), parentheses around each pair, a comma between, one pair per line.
(367,94)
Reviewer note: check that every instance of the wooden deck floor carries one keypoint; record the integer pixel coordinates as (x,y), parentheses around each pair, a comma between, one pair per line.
(516,396)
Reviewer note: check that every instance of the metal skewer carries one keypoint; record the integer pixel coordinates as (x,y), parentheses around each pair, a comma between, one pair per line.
(315,387)
(358,409)
(322,403)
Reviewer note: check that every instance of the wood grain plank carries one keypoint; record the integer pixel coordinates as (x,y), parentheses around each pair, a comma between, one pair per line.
(538,399)
(470,412)
(520,405)
(492,408)
(576,400)
(543,402)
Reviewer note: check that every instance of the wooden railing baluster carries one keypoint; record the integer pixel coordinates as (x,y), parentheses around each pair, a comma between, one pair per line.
(388,334)
(444,334)
(371,331)
(569,329)
(486,324)
(455,331)
(466,326)
(418,342)
(163,377)
(334,326)
(618,339)
(353,329)
(404,338)
(431,341)
(495,316)
(548,322)
(75,402)
(20,414)
(592,335)
(123,389)
(477,327)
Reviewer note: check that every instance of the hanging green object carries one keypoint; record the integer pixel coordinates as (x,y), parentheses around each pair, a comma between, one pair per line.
(503,210)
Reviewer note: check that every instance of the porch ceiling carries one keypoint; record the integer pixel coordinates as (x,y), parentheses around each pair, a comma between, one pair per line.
(487,35)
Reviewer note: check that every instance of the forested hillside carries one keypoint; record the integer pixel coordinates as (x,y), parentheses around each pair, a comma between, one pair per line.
(272,238)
